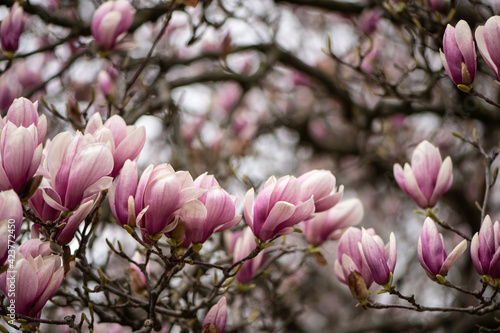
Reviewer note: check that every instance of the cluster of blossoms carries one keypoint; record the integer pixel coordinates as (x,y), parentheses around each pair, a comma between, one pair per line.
(459,53)
(64,180)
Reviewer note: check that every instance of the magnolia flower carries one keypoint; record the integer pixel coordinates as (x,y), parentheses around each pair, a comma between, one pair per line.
(321,185)
(213,212)
(126,142)
(432,253)
(459,54)
(11,218)
(23,113)
(111,22)
(161,193)
(349,258)
(485,249)
(11,28)
(428,177)
(380,258)
(76,168)
(331,224)
(20,155)
(217,315)
(36,280)
(277,208)
(244,245)
(487,38)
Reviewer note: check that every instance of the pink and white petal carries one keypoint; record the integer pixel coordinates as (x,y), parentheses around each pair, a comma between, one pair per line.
(453,257)
(279,213)
(443,182)
(413,189)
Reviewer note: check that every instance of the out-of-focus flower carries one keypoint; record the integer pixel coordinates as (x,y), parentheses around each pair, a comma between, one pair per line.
(331,224)
(213,212)
(76,168)
(428,177)
(437,5)
(432,253)
(485,249)
(137,277)
(380,258)
(368,21)
(105,84)
(277,208)
(11,28)
(111,22)
(459,54)
(9,90)
(126,142)
(349,258)
(217,315)
(11,218)
(487,38)
(321,185)
(369,61)
(36,281)
(244,245)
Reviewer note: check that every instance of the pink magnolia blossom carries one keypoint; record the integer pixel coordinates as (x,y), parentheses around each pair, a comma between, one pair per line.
(277,208)
(11,28)
(217,315)
(213,212)
(11,219)
(321,185)
(487,38)
(161,193)
(485,249)
(459,54)
(428,177)
(432,253)
(126,141)
(349,258)
(111,22)
(20,155)
(331,223)
(36,280)
(23,113)
(244,245)
(76,168)
(380,258)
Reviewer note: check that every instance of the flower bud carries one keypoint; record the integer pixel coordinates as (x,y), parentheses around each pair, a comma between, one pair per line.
(459,54)
(111,21)
(217,315)
(488,43)
(432,253)
(11,28)
(428,178)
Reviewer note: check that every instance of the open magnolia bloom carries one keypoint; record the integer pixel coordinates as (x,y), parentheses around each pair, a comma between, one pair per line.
(37,279)
(277,208)
(428,177)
